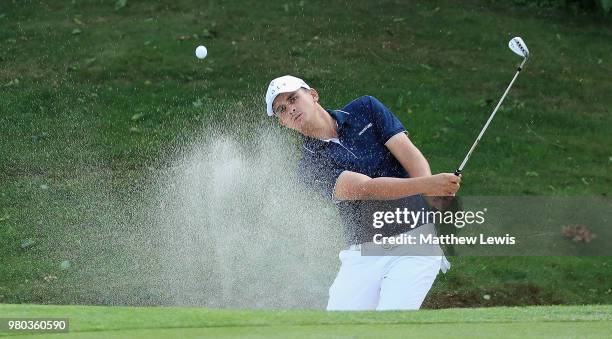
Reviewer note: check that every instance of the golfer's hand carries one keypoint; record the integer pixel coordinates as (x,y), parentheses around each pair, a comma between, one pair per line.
(443,184)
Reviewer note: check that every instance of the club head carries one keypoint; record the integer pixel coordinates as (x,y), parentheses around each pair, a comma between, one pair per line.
(518,46)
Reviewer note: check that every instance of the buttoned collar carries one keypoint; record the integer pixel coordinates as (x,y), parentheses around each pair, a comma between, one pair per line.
(340,117)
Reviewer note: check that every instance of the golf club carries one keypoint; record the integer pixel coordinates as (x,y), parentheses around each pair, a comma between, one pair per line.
(517,45)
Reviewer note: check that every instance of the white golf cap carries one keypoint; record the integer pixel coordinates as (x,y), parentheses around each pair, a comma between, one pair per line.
(284,84)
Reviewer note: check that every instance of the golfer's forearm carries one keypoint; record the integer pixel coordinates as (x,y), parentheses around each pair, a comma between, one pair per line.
(420,168)
(385,188)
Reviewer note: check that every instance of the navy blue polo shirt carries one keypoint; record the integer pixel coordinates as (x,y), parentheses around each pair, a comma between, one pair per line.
(364,126)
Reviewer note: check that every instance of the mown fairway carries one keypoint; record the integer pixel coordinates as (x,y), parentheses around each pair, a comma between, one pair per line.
(498,322)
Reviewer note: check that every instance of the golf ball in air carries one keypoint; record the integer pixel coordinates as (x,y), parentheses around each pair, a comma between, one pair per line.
(201,52)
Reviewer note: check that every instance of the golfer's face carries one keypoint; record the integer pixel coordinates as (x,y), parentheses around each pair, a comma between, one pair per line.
(294,109)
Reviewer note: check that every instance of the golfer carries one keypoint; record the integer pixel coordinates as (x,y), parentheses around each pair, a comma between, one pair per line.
(361,159)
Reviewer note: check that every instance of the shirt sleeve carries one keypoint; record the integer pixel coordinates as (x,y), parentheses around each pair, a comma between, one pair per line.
(386,124)
(319,174)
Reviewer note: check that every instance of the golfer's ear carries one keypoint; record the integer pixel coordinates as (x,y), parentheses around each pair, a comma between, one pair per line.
(314,94)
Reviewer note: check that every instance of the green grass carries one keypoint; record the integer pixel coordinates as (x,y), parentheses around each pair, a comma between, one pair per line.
(503,322)
(104,98)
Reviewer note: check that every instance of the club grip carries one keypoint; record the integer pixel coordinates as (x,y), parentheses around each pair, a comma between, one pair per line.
(458,172)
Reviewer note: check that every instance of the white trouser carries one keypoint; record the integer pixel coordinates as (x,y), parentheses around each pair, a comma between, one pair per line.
(383,282)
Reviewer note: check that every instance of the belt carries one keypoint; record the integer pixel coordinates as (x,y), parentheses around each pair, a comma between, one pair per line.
(421,229)
(357,247)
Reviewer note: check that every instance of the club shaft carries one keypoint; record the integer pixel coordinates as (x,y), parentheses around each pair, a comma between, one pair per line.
(467,157)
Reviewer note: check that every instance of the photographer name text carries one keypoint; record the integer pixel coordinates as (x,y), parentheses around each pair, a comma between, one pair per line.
(447,239)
